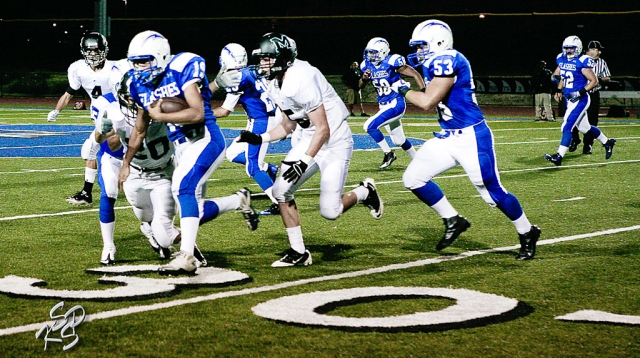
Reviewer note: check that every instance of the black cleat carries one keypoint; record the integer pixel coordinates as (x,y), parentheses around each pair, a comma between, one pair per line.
(373,201)
(555,159)
(608,146)
(574,144)
(388,159)
(274,209)
(528,243)
(80,198)
(250,215)
(294,258)
(197,254)
(453,227)
(586,149)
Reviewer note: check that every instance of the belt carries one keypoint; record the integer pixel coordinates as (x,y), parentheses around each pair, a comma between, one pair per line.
(146,170)
(474,128)
(190,135)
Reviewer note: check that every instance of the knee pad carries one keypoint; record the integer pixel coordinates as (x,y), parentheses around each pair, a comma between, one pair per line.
(331,213)
(89,148)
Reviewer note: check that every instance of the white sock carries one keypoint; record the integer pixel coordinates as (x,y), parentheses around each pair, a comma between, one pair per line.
(602,138)
(107,234)
(189,227)
(411,152)
(384,145)
(522,224)
(562,150)
(361,192)
(295,239)
(90,174)
(227,203)
(444,208)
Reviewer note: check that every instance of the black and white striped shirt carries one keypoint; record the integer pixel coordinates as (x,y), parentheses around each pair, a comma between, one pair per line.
(602,70)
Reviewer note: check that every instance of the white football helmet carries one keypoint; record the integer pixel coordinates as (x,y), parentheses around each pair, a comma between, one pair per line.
(429,38)
(377,50)
(152,47)
(233,56)
(572,47)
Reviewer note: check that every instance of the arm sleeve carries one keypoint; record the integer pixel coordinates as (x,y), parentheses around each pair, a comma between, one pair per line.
(230,101)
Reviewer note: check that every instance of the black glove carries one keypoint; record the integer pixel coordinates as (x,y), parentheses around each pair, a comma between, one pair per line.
(249,137)
(294,173)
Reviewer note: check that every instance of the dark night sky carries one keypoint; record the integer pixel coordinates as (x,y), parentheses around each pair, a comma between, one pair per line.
(496,45)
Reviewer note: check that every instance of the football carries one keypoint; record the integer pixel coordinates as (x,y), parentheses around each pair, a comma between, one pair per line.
(171,104)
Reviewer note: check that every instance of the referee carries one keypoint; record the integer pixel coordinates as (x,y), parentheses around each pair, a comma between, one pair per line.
(602,72)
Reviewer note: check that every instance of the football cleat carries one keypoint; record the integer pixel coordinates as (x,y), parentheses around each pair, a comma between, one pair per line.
(108,256)
(453,227)
(250,215)
(197,254)
(388,159)
(528,243)
(274,209)
(163,252)
(574,144)
(294,258)
(608,147)
(587,149)
(182,263)
(80,198)
(555,159)
(373,201)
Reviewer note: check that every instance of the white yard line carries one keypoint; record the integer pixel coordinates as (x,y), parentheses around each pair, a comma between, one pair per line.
(249,291)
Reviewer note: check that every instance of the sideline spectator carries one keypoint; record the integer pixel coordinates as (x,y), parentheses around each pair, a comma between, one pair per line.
(351,79)
(541,88)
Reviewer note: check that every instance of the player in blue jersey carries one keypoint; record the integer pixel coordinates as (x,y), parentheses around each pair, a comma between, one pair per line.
(465,138)
(262,114)
(148,187)
(199,143)
(575,78)
(384,71)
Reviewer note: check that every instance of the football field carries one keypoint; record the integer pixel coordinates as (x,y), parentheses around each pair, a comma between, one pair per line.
(377,288)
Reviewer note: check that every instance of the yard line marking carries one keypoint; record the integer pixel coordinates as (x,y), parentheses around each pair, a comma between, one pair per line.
(42,146)
(249,291)
(32,216)
(571,199)
(25,171)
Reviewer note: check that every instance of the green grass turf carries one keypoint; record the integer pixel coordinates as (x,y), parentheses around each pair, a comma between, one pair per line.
(599,272)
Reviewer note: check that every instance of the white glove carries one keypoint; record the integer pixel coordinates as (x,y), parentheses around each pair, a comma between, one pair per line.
(51,117)
(104,124)
(228,78)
